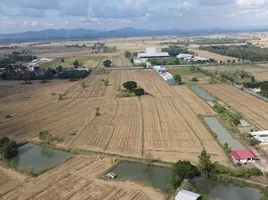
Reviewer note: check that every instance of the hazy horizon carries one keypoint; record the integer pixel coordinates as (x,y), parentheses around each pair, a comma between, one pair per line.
(26,15)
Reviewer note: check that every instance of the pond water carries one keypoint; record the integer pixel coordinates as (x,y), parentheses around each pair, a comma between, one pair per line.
(156,176)
(201,93)
(37,159)
(222,134)
(220,190)
(172,82)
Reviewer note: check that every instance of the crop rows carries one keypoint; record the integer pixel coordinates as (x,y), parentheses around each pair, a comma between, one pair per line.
(252,108)
(77,180)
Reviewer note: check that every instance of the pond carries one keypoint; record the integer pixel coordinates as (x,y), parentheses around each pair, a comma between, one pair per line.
(37,159)
(222,134)
(201,93)
(156,176)
(220,190)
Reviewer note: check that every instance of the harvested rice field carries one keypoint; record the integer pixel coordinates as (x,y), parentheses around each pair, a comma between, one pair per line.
(252,108)
(78,179)
(165,124)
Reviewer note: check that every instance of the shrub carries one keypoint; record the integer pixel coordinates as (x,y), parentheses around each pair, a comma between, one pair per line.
(253,142)
(194,79)
(8,116)
(177,78)
(139,91)
(254,172)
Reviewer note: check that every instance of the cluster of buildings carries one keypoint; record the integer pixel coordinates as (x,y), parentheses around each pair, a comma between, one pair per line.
(34,64)
(162,71)
(151,53)
(191,58)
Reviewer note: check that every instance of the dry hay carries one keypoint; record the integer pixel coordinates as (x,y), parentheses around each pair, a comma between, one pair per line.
(260,74)
(77,180)
(252,108)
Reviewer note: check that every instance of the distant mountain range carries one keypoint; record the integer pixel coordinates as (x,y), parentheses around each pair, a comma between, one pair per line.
(83,34)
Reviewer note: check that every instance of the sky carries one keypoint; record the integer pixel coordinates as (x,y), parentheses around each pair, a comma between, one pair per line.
(32,15)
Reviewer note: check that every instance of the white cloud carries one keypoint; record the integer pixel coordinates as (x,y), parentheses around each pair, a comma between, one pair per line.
(185,6)
(35,23)
(66,23)
(250,3)
(126,21)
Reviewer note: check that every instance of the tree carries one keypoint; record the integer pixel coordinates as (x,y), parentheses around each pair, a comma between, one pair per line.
(253,79)
(9,149)
(62,60)
(206,167)
(128,54)
(3,140)
(130,85)
(59,68)
(177,78)
(107,63)
(253,142)
(139,91)
(76,63)
(26,77)
(182,170)
(194,79)
(45,136)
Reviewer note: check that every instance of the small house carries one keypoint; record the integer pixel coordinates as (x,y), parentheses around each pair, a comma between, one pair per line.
(187,195)
(261,136)
(243,156)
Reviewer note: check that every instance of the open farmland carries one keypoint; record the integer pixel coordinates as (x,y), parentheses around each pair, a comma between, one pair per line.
(251,107)
(75,180)
(165,124)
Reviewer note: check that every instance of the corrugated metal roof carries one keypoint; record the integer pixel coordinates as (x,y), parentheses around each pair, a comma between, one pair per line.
(187,195)
(145,55)
(243,154)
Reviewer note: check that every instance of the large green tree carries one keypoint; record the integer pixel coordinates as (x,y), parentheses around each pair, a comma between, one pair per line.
(139,91)
(130,85)
(206,167)
(76,63)
(177,78)
(107,63)
(182,170)
(9,149)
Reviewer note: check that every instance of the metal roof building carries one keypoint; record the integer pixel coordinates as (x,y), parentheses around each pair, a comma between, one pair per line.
(187,195)
(151,53)
(185,56)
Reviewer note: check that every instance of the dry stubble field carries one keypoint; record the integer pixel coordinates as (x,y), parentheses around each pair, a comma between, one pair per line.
(166,125)
(77,179)
(251,107)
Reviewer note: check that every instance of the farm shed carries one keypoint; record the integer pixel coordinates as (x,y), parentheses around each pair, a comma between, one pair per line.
(187,195)
(243,156)
(184,56)
(261,136)
(151,53)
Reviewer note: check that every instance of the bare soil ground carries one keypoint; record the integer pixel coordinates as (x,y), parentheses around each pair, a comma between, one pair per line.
(75,180)
(167,120)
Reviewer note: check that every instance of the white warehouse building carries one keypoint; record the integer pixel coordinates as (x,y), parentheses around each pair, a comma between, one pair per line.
(262,136)
(151,53)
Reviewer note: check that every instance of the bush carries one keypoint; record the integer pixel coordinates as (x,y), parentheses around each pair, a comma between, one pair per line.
(254,172)
(253,142)
(139,91)
(177,78)
(8,116)
(194,79)
(9,149)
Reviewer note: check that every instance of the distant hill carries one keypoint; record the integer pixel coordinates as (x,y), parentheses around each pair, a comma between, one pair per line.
(80,34)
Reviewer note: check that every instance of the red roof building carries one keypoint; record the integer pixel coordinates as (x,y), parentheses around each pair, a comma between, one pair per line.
(244,156)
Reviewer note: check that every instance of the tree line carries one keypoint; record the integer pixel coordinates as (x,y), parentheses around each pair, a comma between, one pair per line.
(245,52)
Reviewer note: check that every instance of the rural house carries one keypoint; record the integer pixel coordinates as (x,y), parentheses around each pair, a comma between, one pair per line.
(243,156)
